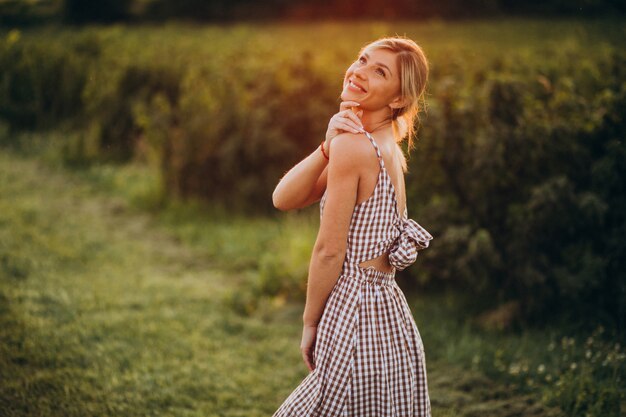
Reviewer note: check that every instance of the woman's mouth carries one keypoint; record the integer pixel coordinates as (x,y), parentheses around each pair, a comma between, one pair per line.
(354,87)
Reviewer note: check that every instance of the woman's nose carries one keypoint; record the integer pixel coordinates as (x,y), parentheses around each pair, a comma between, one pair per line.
(359,72)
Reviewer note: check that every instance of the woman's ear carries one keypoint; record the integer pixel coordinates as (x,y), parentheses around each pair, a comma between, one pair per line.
(398,102)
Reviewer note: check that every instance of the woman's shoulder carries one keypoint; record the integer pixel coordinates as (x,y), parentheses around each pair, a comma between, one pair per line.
(351,148)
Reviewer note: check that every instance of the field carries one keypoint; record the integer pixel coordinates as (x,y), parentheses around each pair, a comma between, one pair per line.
(106,312)
(119,296)
(108,309)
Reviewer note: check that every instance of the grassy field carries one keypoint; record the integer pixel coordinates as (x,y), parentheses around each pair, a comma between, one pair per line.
(105,311)
(114,302)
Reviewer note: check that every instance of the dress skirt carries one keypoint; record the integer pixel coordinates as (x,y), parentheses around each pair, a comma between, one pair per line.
(369,357)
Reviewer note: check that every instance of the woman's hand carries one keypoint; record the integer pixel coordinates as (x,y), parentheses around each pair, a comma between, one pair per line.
(345,120)
(307,346)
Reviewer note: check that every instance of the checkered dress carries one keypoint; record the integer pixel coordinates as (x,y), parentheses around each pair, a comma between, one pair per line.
(369,357)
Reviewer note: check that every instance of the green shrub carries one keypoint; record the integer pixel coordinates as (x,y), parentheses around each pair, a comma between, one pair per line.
(522,202)
(43,81)
(283,268)
(518,173)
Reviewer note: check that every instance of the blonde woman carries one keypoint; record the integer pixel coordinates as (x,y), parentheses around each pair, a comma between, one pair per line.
(359,339)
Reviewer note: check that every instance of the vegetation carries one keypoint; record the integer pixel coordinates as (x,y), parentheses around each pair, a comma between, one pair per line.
(518,173)
(114,310)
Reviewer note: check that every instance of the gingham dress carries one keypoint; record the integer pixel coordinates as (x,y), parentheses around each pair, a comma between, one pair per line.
(369,357)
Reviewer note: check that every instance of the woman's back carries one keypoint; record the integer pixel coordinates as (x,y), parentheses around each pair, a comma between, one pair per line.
(379,226)
(393,161)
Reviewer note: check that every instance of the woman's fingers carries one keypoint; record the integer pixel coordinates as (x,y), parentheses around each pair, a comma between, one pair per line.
(349,127)
(349,108)
(345,105)
(352,116)
(347,115)
(307,346)
(308,359)
(346,119)
(341,120)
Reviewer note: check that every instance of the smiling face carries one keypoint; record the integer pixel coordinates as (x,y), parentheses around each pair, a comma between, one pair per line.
(373,80)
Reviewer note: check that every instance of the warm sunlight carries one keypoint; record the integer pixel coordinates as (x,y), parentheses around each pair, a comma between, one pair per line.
(217,208)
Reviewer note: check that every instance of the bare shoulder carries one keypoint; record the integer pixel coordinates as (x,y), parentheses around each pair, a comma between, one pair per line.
(351,149)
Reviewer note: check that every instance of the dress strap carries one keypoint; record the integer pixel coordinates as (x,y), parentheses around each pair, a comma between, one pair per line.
(380,158)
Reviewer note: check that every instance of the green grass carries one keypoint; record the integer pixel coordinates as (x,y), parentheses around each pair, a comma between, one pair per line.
(104,311)
(111,308)
(115,301)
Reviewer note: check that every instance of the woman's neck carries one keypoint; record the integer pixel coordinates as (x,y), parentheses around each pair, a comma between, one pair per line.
(376,120)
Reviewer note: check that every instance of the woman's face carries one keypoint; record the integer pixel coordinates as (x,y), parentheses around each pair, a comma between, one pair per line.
(375,77)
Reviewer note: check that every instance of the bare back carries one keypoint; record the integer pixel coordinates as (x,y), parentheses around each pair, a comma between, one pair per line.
(391,154)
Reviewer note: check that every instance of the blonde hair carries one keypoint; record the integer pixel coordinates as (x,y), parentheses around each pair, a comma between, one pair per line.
(413,67)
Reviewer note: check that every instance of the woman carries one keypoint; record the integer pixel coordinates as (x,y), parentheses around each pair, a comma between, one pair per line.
(359,339)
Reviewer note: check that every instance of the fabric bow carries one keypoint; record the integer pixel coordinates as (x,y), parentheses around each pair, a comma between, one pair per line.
(412,239)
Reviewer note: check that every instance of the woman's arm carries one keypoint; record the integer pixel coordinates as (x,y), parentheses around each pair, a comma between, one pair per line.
(303,184)
(348,156)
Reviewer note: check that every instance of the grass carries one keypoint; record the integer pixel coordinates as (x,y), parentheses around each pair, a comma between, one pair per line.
(103,314)
(114,301)
(105,311)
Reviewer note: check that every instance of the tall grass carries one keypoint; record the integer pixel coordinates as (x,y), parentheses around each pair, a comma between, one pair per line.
(88,288)
(114,307)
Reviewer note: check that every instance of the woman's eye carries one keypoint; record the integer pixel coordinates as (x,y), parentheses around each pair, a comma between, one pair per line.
(361,59)
(381,72)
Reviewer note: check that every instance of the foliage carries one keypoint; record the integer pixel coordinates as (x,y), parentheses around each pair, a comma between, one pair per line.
(113,310)
(518,163)
(518,172)
(43,82)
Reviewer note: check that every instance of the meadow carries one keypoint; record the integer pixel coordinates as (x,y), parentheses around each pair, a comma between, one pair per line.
(108,310)
(136,280)
(111,309)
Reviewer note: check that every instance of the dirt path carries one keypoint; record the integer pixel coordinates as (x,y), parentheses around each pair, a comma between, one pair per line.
(102,312)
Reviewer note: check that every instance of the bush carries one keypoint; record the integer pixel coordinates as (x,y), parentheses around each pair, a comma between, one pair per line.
(515,155)
(43,81)
(518,173)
